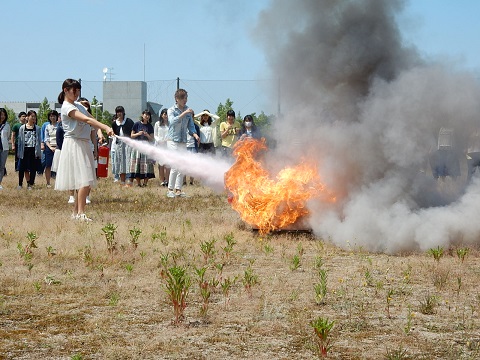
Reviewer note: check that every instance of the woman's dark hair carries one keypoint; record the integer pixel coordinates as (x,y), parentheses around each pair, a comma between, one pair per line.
(209,120)
(249,118)
(231,113)
(149,114)
(120,109)
(52,112)
(163,122)
(83,100)
(21,113)
(3,111)
(67,85)
(30,112)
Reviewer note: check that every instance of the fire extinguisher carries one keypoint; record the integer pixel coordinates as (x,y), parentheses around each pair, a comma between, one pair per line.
(102,169)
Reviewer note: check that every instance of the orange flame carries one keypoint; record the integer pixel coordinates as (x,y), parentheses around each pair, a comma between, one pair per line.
(267,204)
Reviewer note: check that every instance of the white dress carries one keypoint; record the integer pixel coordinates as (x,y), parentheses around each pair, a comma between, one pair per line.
(76,164)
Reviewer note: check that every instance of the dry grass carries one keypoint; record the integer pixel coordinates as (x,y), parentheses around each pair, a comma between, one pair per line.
(83,303)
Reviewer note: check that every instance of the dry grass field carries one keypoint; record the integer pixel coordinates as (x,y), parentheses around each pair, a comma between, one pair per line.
(76,296)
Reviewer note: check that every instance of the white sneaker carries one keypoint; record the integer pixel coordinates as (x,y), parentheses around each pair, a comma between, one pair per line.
(170,194)
(83,217)
(19,187)
(73,216)
(71,199)
(29,187)
(1,187)
(88,200)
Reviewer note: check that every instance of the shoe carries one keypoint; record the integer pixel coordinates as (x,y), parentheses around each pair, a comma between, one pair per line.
(128,185)
(88,200)
(49,186)
(1,187)
(71,200)
(73,216)
(115,180)
(19,187)
(170,194)
(83,217)
(29,187)
(180,194)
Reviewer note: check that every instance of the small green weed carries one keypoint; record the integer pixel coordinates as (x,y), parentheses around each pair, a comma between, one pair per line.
(322,328)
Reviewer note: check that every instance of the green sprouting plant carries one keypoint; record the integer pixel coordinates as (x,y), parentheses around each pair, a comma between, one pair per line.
(459,284)
(113,299)
(26,252)
(436,253)
(143,254)
(32,236)
(389,298)
(229,239)
(428,304)
(322,328)
(208,249)
(129,268)
(204,290)
(321,287)
(177,286)
(398,354)
(318,262)
(162,237)
(410,316)
(109,231)
(440,277)
(268,249)
(77,357)
(134,235)
(51,251)
(249,278)
(295,262)
(37,286)
(407,274)
(87,255)
(462,254)
(164,260)
(300,250)
(226,285)
(219,267)
(368,278)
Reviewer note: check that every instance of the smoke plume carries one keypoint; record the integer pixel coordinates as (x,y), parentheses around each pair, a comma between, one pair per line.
(369,108)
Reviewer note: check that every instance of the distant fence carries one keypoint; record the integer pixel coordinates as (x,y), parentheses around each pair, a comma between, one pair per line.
(247,95)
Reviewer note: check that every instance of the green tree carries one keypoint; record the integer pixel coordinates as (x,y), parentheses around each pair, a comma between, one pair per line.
(103,116)
(12,117)
(43,111)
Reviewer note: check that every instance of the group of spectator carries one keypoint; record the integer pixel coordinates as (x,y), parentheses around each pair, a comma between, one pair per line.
(37,149)
(178,128)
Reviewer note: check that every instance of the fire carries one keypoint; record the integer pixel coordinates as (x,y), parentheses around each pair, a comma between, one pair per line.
(265,203)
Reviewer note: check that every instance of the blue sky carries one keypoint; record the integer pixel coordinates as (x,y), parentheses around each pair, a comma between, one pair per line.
(192,39)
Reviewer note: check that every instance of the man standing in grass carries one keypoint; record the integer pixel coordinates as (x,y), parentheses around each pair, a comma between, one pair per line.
(180,123)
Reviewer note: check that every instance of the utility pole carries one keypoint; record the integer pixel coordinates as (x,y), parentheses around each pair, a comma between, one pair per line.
(178,83)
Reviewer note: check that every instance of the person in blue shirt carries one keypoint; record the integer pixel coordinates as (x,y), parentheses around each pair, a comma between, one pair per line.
(180,123)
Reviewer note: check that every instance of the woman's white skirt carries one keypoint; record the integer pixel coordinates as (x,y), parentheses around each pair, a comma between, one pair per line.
(56,159)
(76,166)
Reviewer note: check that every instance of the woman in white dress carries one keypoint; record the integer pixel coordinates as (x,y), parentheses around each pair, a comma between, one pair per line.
(160,131)
(76,168)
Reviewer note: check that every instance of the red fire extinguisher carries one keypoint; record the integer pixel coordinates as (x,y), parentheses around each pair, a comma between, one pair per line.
(102,169)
